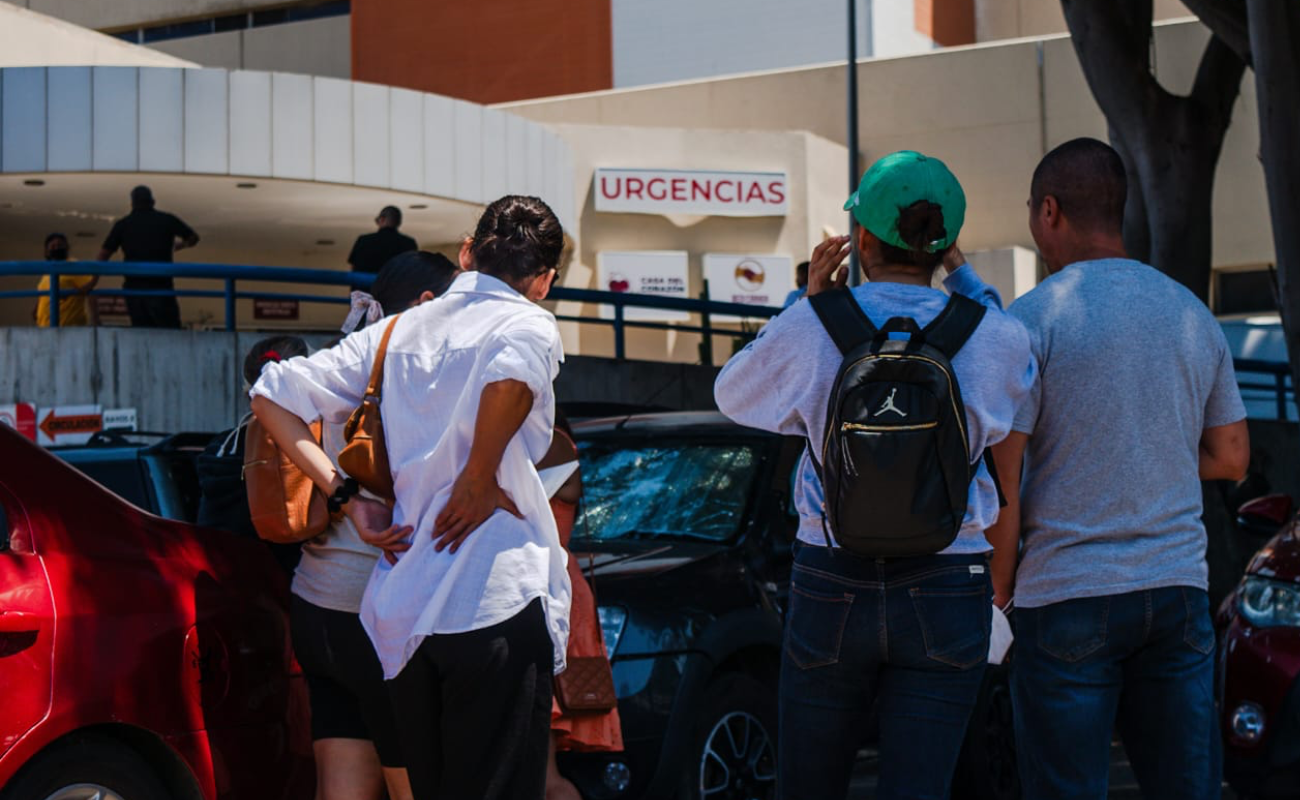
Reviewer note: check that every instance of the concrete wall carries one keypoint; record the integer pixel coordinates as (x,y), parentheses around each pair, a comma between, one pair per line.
(1010,19)
(34,40)
(990,111)
(110,14)
(314,47)
(192,380)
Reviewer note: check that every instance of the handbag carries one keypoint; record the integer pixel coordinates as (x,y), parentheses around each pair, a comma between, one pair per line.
(285,506)
(365,456)
(587,683)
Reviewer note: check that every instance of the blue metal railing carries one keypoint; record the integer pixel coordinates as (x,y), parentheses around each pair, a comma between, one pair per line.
(235,277)
(1276,381)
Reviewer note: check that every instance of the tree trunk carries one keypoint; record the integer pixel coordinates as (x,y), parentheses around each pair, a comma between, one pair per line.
(1170,144)
(1274,32)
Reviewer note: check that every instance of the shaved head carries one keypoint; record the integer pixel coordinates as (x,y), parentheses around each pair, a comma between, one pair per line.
(1087,179)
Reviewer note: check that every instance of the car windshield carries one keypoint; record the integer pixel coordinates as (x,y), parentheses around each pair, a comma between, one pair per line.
(642,489)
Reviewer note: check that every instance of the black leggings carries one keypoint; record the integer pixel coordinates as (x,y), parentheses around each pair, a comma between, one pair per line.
(474,711)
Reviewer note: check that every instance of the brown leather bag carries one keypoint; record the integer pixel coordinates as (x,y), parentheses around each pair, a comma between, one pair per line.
(587,684)
(365,457)
(285,506)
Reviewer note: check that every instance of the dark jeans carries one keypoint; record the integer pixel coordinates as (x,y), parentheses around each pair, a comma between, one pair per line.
(1144,661)
(154,312)
(474,711)
(910,633)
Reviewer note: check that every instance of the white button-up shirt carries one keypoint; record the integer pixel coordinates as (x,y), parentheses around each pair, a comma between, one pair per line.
(439,359)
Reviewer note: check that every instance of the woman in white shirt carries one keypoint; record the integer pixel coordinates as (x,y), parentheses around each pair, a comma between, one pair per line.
(469,610)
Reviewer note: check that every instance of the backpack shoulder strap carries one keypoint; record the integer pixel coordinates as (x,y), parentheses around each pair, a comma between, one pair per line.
(843,319)
(376,386)
(954,325)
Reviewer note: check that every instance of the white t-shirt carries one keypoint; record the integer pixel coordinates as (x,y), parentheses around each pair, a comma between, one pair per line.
(441,356)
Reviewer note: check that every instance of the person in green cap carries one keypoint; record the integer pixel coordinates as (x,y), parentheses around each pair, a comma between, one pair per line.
(909,634)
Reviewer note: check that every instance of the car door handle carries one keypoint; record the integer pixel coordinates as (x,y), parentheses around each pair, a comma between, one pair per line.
(18,622)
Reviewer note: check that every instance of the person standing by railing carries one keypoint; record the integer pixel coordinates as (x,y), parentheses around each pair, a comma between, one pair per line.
(150,235)
(371,251)
(73,306)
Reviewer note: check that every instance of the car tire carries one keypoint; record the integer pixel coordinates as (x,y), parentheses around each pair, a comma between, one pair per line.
(733,742)
(986,769)
(78,768)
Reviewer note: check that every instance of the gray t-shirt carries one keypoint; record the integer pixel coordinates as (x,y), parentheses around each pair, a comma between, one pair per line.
(782,381)
(1132,369)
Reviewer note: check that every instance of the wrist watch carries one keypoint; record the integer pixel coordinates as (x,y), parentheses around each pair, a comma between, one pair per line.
(341,496)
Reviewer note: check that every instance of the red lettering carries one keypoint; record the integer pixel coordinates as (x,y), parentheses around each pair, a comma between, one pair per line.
(755,192)
(663,192)
(699,190)
(634,188)
(717,189)
(679,189)
(604,188)
(777,190)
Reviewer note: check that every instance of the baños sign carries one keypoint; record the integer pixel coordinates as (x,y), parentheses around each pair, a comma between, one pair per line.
(669,191)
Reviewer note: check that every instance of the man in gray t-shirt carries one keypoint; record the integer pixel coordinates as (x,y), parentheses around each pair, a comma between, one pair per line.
(1135,403)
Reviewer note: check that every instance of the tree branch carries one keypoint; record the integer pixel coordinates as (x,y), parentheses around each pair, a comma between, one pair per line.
(1227,18)
(1112,40)
(1218,82)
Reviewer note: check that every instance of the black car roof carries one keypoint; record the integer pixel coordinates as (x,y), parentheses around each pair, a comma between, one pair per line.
(696,423)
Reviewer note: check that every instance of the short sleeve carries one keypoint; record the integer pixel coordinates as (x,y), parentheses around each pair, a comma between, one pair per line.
(1027,411)
(114,240)
(529,352)
(1224,405)
(180,229)
(328,385)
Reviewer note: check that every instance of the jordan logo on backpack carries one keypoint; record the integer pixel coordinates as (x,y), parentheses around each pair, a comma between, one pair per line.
(889,405)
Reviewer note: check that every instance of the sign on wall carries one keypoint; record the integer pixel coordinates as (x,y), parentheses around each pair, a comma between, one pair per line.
(60,425)
(671,191)
(752,280)
(21,417)
(660,272)
(268,308)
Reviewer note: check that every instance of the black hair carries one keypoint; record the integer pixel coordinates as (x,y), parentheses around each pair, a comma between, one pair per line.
(516,239)
(269,351)
(918,224)
(142,197)
(56,235)
(391,213)
(1087,179)
(406,276)
(802,268)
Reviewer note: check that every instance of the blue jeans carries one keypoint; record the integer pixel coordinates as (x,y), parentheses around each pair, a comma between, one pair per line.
(911,633)
(1143,661)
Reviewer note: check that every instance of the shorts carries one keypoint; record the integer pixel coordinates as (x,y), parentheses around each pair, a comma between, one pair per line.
(344,679)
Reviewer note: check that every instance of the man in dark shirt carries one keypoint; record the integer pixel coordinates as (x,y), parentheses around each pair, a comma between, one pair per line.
(147,234)
(372,250)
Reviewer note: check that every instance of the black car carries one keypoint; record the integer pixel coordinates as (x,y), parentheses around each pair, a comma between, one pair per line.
(153,471)
(687,524)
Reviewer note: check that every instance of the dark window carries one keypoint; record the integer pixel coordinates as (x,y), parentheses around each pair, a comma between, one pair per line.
(178,30)
(335,8)
(231,22)
(273,16)
(132,36)
(4,529)
(1245,292)
(118,471)
(664,489)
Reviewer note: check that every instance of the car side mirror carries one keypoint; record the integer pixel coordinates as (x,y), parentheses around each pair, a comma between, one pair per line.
(1264,516)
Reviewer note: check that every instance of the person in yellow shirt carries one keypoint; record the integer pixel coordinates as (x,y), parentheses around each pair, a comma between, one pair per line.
(74,306)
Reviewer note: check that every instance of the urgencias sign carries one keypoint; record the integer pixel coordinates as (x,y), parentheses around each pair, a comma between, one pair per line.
(669,191)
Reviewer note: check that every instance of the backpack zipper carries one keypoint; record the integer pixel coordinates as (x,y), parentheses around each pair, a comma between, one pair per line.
(859,427)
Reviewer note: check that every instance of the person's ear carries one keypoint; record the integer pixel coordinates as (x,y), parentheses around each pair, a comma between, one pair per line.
(1050,211)
(540,285)
(424,297)
(466,260)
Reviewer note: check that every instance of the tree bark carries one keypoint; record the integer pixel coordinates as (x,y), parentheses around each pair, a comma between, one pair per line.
(1170,144)
(1274,32)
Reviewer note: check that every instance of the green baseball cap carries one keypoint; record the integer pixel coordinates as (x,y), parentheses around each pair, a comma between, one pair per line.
(897,181)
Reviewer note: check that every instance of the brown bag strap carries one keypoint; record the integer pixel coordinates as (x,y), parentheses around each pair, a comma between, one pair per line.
(376,385)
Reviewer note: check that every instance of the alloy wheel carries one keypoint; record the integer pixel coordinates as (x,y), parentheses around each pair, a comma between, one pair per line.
(85,791)
(739,760)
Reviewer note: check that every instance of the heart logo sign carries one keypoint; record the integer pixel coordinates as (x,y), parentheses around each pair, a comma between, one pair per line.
(617,283)
(750,275)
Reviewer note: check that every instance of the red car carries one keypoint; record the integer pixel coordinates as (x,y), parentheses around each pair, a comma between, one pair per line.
(141,658)
(1259,659)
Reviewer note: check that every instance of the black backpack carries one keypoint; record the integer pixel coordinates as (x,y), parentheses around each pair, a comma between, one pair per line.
(896,465)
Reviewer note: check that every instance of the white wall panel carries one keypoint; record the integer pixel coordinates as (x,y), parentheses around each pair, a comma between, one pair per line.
(23,117)
(469,152)
(370,131)
(116,142)
(250,123)
(207,136)
(550,169)
(439,145)
(332,112)
(567,210)
(291,126)
(494,154)
(69,116)
(533,164)
(516,154)
(162,120)
(406,138)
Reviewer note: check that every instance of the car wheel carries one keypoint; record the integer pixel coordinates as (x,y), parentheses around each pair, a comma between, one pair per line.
(733,746)
(987,768)
(87,768)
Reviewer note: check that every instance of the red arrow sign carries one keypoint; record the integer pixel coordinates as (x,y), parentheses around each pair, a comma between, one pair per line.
(54,426)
